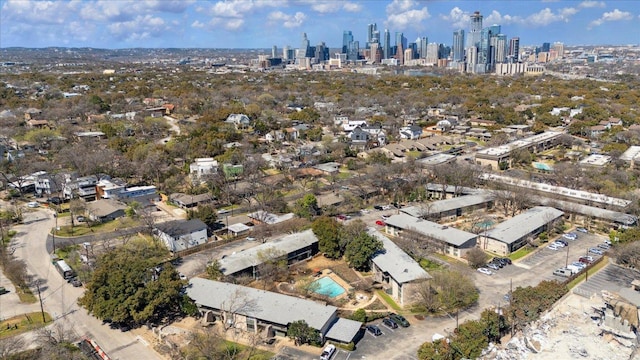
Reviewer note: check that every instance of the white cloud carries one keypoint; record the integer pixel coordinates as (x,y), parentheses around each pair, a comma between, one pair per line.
(30,11)
(457,18)
(592,4)
(615,15)
(139,28)
(546,16)
(351,7)
(197,24)
(287,20)
(331,6)
(402,14)
(496,18)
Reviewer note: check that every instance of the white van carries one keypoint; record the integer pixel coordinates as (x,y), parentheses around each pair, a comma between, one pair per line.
(328,351)
(562,272)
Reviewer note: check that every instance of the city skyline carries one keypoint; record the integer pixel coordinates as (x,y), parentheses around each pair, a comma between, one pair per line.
(262,24)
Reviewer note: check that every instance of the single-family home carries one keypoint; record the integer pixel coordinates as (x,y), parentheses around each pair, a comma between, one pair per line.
(105,210)
(201,167)
(180,235)
(410,132)
(239,120)
(188,201)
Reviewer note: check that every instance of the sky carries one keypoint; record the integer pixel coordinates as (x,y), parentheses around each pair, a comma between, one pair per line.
(115,24)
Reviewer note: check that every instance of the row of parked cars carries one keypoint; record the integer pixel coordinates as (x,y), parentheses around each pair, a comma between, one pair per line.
(393,321)
(495,264)
(577,266)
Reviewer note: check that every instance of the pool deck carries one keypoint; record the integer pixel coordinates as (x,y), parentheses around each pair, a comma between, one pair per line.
(333,276)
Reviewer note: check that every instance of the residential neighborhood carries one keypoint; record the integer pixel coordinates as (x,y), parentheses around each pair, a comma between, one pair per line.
(271,213)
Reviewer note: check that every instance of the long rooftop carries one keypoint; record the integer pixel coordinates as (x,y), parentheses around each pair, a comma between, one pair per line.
(447,234)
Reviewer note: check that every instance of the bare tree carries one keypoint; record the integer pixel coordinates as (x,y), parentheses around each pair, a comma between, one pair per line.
(11,346)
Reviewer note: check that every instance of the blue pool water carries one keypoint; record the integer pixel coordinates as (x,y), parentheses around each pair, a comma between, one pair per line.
(542,166)
(328,287)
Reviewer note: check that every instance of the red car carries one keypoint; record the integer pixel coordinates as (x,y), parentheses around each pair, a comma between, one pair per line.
(380,223)
(341,217)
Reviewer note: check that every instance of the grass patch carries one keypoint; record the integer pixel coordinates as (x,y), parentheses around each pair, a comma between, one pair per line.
(84,229)
(520,253)
(63,253)
(25,295)
(23,323)
(592,271)
(246,352)
(429,265)
(384,296)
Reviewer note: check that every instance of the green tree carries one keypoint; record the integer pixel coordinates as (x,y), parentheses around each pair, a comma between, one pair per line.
(469,340)
(214,270)
(328,230)
(437,350)
(126,286)
(302,333)
(307,207)
(206,213)
(359,315)
(360,246)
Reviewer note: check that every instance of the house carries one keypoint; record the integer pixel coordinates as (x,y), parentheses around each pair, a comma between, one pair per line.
(350,125)
(37,124)
(512,234)
(396,270)
(48,184)
(187,201)
(274,135)
(631,155)
(201,167)
(82,187)
(450,240)
(90,135)
(267,313)
(239,120)
(105,210)
(180,235)
(117,188)
(495,156)
(359,137)
(436,160)
(328,168)
(410,132)
(294,248)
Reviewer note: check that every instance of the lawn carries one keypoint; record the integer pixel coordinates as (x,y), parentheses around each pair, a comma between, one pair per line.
(246,352)
(23,323)
(84,229)
(520,253)
(384,296)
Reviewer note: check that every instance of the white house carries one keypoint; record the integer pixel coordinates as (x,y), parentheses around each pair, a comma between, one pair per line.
(239,120)
(410,132)
(202,167)
(180,235)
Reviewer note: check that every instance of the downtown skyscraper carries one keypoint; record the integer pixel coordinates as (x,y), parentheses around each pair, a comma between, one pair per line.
(458,46)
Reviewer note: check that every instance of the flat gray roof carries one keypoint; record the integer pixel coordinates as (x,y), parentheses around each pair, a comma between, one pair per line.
(344,330)
(447,234)
(598,213)
(435,159)
(511,230)
(439,206)
(264,305)
(251,257)
(396,262)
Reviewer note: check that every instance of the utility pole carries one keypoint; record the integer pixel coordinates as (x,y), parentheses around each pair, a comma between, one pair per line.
(44,320)
(53,233)
(566,263)
(513,312)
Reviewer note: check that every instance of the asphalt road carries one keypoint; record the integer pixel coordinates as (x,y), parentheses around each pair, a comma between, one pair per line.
(60,298)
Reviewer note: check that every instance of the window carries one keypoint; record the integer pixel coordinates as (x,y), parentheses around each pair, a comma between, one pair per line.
(251,324)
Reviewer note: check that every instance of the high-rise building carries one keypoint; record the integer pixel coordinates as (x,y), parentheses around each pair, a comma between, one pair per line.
(274,52)
(401,40)
(285,53)
(458,45)
(347,38)
(433,50)
(387,45)
(374,57)
(559,48)
(501,51)
(371,30)
(353,50)
(422,43)
(514,49)
(321,52)
(476,28)
(545,47)
(304,46)
(376,37)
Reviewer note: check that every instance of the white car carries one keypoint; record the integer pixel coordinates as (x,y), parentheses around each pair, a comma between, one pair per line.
(328,352)
(553,247)
(485,271)
(33,204)
(569,236)
(558,244)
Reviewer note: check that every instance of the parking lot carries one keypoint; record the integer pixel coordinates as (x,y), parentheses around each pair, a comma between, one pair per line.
(611,278)
(532,269)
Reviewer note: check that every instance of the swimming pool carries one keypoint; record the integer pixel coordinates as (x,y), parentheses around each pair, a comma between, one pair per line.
(328,287)
(542,166)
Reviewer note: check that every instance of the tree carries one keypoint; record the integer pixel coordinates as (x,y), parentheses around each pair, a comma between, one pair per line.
(302,333)
(360,246)
(214,270)
(437,350)
(206,213)
(328,231)
(127,287)
(447,290)
(273,265)
(476,257)
(307,207)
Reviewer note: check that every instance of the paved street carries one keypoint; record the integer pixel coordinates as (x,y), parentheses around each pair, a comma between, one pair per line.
(60,298)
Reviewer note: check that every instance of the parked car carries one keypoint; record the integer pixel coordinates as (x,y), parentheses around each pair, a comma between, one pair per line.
(485,271)
(378,207)
(569,237)
(400,320)
(390,323)
(553,247)
(81,219)
(558,244)
(562,272)
(574,269)
(33,204)
(607,241)
(596,251)
(586,259)
(604,246)
(384,217)
(386,207)
(182,276)
(582,230)
(380,223)
(578,264)
(3,290)
(563,242)
(506,261)
(341,217)
(493,266)
(55,200)
(507,297)
(374,330)
(328,352)
(76,282)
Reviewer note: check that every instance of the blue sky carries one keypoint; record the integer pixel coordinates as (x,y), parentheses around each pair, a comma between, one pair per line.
(264,23)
